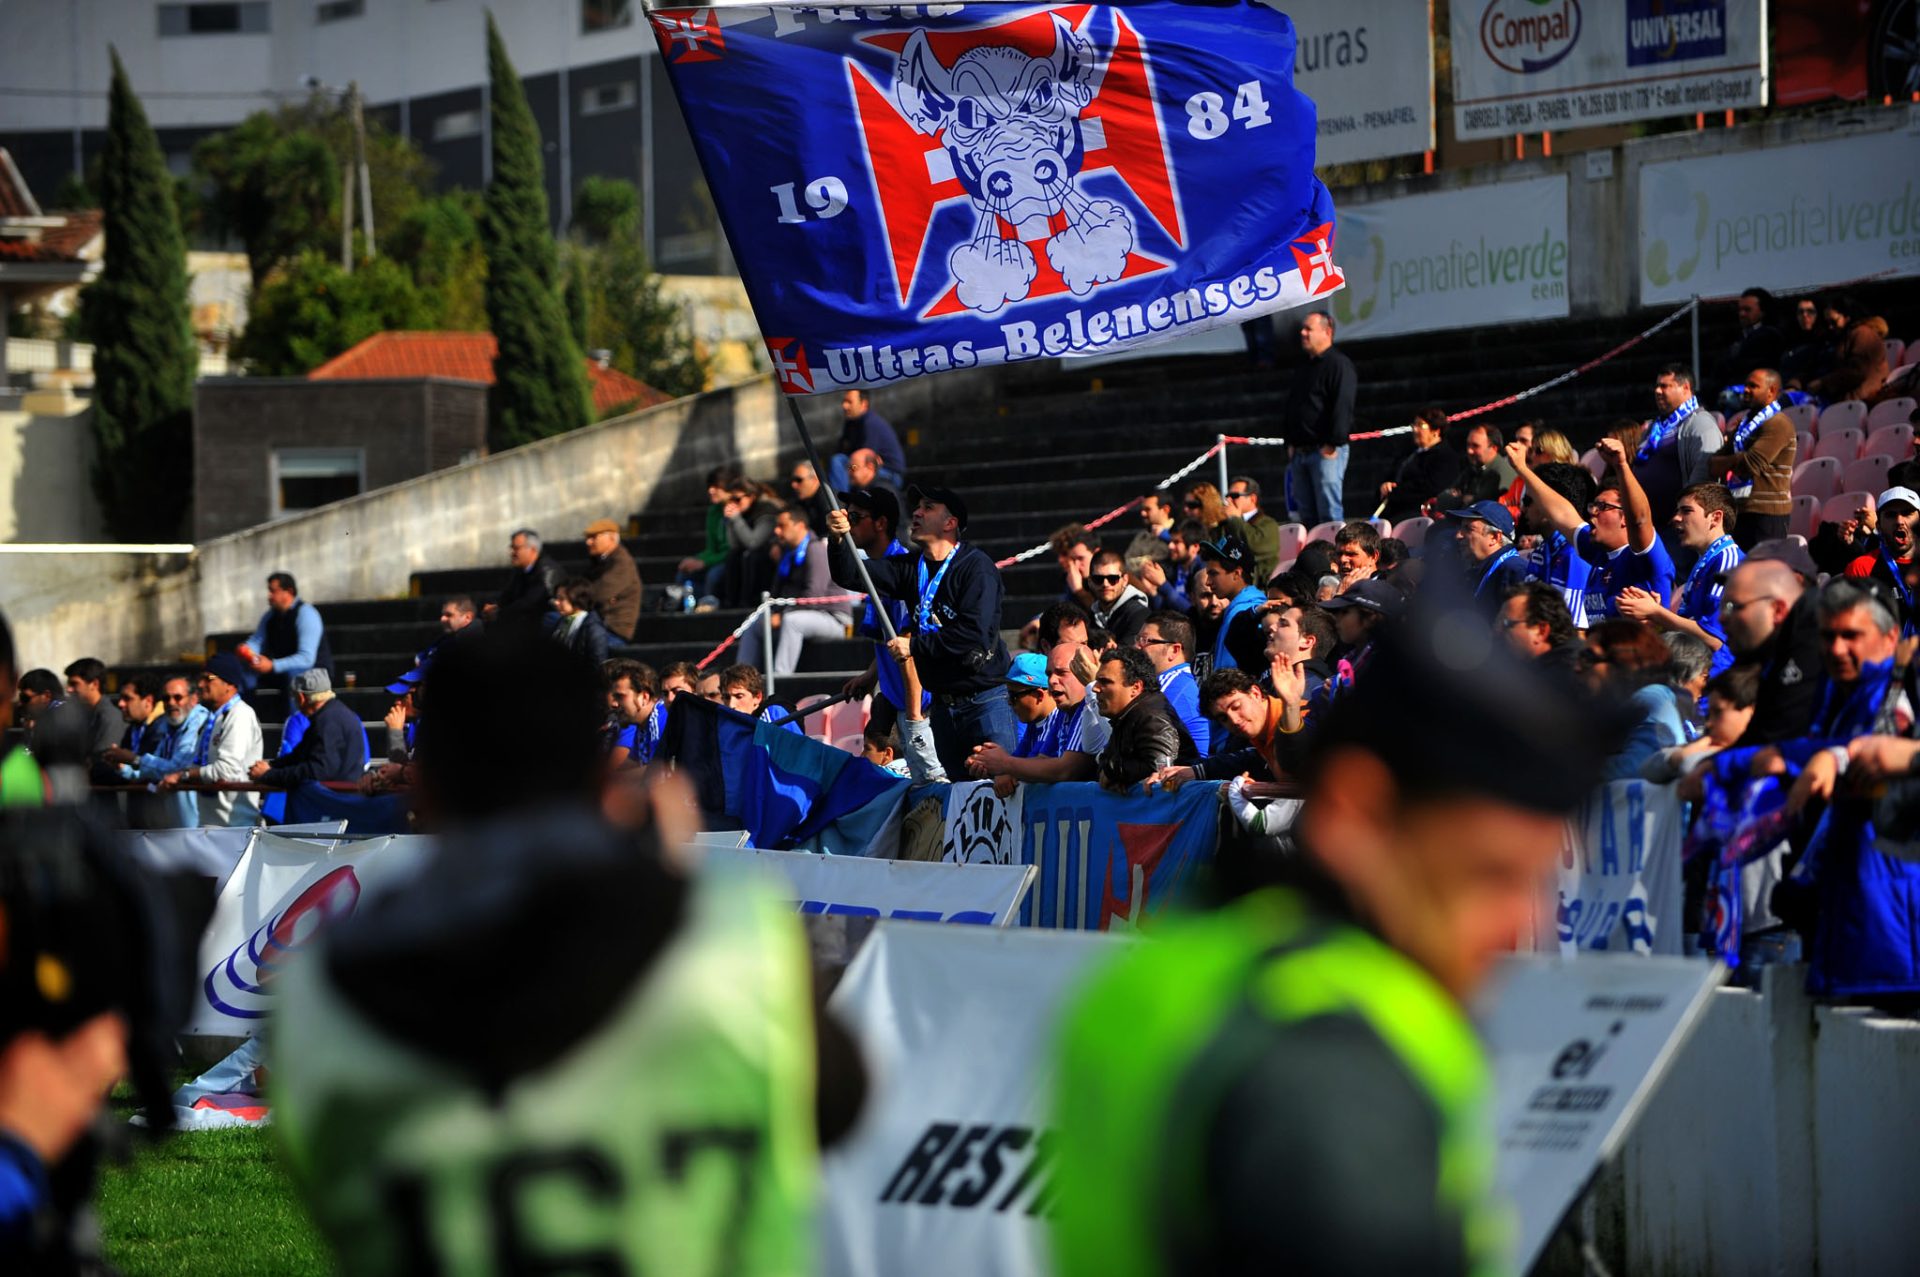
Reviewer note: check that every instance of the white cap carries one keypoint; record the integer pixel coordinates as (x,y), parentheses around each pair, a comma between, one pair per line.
(1907,495)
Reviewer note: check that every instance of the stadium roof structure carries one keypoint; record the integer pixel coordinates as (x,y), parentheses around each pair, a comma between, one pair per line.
(462,356)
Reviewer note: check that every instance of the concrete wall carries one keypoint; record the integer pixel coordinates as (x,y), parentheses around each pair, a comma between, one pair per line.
(1782,1141)
(119,603)
(367,547)
(46,451)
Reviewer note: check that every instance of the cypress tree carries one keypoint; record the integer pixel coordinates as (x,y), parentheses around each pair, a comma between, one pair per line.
(539,376)
(135,313)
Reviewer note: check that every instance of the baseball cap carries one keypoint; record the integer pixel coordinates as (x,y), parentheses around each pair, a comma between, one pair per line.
(312,682)
(406,682)
(947,497)
(1892,495)
(1373,595)
(1788,551)
(1489,512)
(1029,669)
(1230,550)
(876,501)
(225,665)
(601,525)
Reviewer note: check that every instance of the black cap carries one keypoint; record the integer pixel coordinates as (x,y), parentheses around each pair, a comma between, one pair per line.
(1230,550)
(939,496)
(1515,733)
(1789,551)
(877,501)
(1372,594)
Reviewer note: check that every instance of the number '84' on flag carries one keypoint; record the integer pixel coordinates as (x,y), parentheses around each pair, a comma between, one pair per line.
(910,189)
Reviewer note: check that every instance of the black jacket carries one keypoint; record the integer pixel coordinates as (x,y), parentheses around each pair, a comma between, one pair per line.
(1421,477)
(1147,735)
(960,653)
(1792,677)
(528,595)
(334,748)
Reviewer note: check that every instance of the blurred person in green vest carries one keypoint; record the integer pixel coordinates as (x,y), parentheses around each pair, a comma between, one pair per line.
(1289,1083)
(551,1049)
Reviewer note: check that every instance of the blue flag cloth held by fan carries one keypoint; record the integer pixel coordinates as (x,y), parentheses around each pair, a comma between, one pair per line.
(910,189)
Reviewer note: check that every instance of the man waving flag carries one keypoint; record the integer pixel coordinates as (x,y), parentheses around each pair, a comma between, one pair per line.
(910,189)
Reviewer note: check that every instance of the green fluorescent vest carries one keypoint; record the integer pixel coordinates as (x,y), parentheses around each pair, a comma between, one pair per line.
(1131,1037)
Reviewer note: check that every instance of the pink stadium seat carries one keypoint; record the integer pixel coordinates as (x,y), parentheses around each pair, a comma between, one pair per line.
(1803,444)
(1840,507)
(1292,537)
(1413,531)
(1896,351)
(1386,529)
(1819,478)
(1869,474)
(1912,355)
(1849,413)
(854,744)
(1806,513)
(1839,441)
(1803,414)
(1891,412)
(1890,441)
(1325,531)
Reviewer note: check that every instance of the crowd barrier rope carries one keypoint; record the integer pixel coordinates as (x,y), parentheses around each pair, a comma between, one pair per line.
(764,610)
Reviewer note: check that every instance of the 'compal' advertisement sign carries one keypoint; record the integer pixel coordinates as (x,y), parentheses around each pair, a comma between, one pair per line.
(1486,254)
(1531,66)
(1720,224)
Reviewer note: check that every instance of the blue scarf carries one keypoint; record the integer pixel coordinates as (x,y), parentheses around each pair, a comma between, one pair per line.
(1504,556)
(206,735)
(795,558)
(1744,435)
(1708,557)
(924,619)
(1662,430)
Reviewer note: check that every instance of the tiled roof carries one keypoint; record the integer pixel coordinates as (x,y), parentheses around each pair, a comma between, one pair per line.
(52,243)
(15,199)
(466,357)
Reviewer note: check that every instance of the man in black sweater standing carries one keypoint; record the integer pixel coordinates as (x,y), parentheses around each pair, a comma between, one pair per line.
(1319,417)
(953,593)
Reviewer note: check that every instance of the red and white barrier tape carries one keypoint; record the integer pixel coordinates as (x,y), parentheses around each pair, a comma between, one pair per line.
(753,618)
(1118,510)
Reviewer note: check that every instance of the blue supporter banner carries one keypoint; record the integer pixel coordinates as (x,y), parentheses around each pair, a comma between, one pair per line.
(379,814)
(910,189)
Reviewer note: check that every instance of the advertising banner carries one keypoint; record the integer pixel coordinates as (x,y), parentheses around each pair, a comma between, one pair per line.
(982,827)
(912,189)
(1368,66)
(947,1170)
(211,851)
(1619,879)
(278,898)
(1577,1048)
(1779,218)
(1537,66)
(859,887)
(1109,861)
(1457,259)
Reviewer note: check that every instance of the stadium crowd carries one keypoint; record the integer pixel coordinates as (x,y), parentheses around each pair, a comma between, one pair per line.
(1762,668)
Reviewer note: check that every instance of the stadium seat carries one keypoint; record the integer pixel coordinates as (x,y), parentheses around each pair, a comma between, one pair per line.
(1840,507)
(1413,531)
(1806,514)
(1386,529)
(1292,537)
(1839,441)
(1325,531)
(854,744)
(848,718)
(1868,474)
(1912,355)
(1891,412)
(1890,441)
(1803,414)
(1819,478)
(1803,443)
(1896,352)
(1849,413)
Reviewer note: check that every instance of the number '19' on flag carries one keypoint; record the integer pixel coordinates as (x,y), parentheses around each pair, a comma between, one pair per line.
(910,189)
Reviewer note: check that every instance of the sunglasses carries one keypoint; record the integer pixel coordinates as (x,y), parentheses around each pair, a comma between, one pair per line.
(1104,578)
(1190,505)
(1595,507)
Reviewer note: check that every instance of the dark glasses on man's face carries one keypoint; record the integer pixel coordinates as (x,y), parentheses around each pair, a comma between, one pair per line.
(1103,578)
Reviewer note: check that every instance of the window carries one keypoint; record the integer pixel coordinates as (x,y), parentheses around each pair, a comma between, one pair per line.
(456,124)
(605,15)
(338,10)
(304,478)
(248,17)
(604,98)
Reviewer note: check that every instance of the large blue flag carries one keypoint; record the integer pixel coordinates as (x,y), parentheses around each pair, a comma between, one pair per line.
(910,189)
(786,790)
